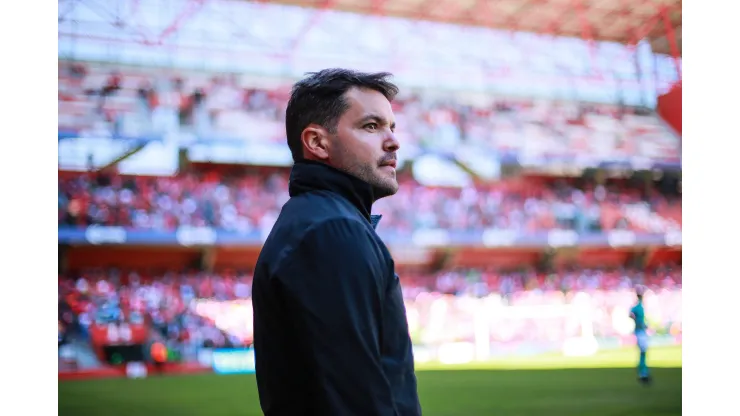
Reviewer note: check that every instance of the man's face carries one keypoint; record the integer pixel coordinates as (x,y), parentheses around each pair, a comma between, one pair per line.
(364,144)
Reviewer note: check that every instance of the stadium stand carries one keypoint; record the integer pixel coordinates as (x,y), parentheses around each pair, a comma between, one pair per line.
(583,202)
(248,202)
(136,101)
(196,309)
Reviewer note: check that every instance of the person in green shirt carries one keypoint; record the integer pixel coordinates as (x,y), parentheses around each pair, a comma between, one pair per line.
(637,313)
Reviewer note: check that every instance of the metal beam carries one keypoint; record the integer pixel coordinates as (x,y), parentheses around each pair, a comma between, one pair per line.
(671,35)
(587,33)
(192,7)
(122,22)
(171,48)
(624,10)
(315,19)
(115,20)
(640,32)
(65,8)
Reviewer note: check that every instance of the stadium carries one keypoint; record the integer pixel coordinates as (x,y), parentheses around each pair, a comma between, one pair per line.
(540,185)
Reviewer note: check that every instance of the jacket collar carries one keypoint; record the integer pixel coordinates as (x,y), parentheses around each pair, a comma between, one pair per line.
(308,176)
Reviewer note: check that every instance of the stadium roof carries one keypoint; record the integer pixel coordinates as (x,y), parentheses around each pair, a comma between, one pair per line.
(623,21)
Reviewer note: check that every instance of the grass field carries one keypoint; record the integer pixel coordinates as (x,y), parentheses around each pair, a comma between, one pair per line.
(549,385)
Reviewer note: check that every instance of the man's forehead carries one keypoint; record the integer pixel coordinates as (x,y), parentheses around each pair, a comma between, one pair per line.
(363,101)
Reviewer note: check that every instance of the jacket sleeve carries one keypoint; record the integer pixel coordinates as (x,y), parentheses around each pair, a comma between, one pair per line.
(333,292)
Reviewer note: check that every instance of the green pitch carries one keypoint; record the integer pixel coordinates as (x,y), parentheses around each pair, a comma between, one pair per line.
(549,385)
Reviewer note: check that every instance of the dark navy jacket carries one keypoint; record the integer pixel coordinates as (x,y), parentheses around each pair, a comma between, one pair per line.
(330,329)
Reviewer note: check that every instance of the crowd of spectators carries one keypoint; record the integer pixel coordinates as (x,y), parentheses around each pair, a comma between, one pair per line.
(481,282)
(252,201)
(140,102)
(163,302)
(192,310)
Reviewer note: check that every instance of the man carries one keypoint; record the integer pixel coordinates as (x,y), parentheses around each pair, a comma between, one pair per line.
(330,329)
(637,313)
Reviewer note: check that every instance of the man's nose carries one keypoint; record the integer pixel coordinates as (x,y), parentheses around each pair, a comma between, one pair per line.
(391,144)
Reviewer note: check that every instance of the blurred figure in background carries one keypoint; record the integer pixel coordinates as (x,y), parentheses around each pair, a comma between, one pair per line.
(637,313)
(158,352)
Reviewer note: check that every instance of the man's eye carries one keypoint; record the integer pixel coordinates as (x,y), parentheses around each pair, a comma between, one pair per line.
(371,126)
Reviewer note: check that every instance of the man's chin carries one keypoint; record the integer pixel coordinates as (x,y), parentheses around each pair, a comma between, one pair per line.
(385,187)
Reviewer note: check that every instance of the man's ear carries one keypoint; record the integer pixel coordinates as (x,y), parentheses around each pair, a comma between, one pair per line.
(316,142)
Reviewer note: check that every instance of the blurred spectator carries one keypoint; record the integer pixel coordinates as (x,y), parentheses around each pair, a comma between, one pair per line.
(222,107)
(192,310)
(251,202)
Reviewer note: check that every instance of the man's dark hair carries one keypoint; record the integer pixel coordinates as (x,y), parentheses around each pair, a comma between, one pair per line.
(319,99)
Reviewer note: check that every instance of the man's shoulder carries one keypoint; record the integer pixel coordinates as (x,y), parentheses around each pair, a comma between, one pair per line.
(290,241)
(318,203)
(311,210)
(295,225)
(337,225)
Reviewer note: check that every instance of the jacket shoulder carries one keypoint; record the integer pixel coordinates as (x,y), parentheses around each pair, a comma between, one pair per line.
(302,217)
(320,204)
